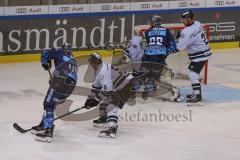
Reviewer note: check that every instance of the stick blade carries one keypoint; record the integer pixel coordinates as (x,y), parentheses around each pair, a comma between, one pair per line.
(18,128)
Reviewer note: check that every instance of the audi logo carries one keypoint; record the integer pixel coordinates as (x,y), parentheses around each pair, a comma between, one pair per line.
(145,6)
(21,10)
(64,9)
(182,4)
(219,3)
(106,7)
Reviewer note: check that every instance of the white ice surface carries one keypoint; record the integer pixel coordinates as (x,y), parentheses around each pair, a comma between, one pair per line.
(212,134)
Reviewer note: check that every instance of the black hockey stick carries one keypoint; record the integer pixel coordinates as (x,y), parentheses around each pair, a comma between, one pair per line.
(21,130)
(50,74)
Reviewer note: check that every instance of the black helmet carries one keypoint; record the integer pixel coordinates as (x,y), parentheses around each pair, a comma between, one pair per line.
(155,19)
(187,14)
(95,58)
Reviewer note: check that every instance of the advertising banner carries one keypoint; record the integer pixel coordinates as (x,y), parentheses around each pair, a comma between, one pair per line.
(26,10)
(110,7)
(62,9)
(186,4)
(223,3)
(149,5)
(93,32)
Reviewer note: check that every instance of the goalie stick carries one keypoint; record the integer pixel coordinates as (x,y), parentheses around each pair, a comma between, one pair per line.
(21,130)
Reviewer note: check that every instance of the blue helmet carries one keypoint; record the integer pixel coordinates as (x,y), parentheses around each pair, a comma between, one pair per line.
(67,48)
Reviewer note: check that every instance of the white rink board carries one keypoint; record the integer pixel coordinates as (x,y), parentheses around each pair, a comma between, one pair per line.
(116,7)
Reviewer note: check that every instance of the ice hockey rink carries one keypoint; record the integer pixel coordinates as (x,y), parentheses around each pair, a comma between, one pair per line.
(209,132)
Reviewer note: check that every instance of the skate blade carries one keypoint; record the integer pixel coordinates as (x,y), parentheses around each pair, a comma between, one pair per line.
(103,135)
(180,99)
(195,104)
(99,125)
(34,132)
(46,139)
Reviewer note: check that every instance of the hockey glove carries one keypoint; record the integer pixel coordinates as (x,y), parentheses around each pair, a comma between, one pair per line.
(47,66)
(175,51)
(91,103)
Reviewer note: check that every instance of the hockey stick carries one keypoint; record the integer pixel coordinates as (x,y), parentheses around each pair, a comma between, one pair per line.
(50,74)
(21,130)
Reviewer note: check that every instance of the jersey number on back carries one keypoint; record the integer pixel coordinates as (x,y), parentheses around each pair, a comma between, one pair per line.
(204,38)
(156,41)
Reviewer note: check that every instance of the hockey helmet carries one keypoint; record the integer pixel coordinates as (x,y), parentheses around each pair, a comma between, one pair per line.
(95,59)
(67,48)
(187,14)
(156,19)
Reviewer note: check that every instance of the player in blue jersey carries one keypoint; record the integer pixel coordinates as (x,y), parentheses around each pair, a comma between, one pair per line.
(159,44)
(62,83)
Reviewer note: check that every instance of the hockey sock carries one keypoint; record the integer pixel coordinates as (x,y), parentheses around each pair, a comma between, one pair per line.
(196,88)
(48,117)
(112,115)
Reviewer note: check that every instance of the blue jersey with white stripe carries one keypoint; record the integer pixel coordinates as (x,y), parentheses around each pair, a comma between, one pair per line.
(65,64)
(160,41)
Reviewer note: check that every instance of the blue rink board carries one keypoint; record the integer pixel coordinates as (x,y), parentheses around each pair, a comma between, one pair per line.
(216,93)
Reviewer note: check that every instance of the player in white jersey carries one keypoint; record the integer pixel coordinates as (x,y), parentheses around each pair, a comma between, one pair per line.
(112,88)
(135,50)
(193,39)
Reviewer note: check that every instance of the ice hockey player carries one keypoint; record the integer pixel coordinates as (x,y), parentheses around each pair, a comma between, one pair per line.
(62,84)
(135,49)
(112,88)
(193,39)
(159,44)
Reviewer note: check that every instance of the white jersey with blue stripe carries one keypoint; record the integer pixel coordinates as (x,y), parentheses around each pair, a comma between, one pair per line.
(194,40)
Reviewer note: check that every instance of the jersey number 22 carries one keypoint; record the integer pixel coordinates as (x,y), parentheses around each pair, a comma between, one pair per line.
(156,41)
